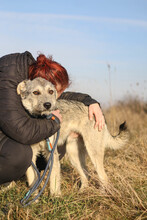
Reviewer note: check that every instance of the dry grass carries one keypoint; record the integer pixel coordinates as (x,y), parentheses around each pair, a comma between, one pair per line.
(126,169)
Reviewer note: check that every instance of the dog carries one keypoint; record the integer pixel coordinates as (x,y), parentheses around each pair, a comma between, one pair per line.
(74,119)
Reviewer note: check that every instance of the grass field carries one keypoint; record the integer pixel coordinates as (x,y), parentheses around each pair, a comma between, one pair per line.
(126,168)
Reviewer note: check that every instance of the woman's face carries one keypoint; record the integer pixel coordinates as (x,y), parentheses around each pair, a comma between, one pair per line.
(59,89)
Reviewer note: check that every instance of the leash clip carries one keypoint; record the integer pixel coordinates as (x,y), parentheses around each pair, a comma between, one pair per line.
(50,116)
(53,117)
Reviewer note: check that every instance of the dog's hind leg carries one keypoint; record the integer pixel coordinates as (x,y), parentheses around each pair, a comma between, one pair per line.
(95,151)
(76,154)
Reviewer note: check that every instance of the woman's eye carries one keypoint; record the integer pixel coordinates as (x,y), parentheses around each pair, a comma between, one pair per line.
(50,92)
(36,93)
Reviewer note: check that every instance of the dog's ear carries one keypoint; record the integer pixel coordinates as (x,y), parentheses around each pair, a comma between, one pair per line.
(21,88)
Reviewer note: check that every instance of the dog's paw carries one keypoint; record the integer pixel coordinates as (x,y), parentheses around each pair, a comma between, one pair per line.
(55,194)
(8,186)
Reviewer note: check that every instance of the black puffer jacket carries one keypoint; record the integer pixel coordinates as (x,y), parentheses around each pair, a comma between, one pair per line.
(14,120)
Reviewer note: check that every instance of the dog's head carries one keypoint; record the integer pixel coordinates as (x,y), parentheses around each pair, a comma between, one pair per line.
(38,95)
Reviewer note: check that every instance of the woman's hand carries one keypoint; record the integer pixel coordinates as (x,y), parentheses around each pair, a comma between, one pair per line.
(95,110)
(57,114)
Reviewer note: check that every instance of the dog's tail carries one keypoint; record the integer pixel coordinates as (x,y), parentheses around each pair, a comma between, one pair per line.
(118,141)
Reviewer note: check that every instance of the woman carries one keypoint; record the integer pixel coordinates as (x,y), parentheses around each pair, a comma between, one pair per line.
(18,129)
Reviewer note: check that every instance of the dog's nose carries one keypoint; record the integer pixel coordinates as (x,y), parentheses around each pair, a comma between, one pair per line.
(47,105)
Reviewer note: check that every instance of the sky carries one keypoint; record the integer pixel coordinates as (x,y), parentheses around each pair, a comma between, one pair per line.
(102,44)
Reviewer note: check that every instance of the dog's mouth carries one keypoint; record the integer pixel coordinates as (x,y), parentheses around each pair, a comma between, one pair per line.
(39,114)
(45,109)
(40,109)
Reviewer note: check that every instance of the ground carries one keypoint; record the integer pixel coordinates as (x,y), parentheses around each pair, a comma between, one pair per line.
(126,168)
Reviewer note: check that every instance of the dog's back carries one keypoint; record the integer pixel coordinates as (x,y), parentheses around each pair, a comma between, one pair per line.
(76,119)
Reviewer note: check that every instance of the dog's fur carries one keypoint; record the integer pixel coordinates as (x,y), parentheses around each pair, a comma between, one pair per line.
(74,119)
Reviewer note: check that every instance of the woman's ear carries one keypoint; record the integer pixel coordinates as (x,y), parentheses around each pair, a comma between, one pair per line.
(21,88)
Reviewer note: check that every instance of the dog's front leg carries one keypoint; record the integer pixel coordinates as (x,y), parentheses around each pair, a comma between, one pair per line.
(31,173)
(55,176)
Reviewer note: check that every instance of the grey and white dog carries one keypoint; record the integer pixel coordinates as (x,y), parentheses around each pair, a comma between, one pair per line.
(74,119)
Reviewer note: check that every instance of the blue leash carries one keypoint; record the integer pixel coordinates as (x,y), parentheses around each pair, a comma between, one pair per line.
(49,166)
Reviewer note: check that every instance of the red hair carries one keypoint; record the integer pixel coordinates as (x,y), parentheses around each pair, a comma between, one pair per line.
(50,70)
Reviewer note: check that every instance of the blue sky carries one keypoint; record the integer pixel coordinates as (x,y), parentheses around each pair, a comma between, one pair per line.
(102,44)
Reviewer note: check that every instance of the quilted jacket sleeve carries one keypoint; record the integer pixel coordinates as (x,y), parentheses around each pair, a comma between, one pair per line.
(15,122)
(84,98)
(27,130)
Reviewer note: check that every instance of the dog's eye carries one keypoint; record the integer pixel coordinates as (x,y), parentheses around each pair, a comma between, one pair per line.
(50,92)
(36,93)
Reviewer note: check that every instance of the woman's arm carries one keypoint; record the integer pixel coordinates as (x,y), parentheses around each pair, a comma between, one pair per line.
(75,96)
(27,130)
